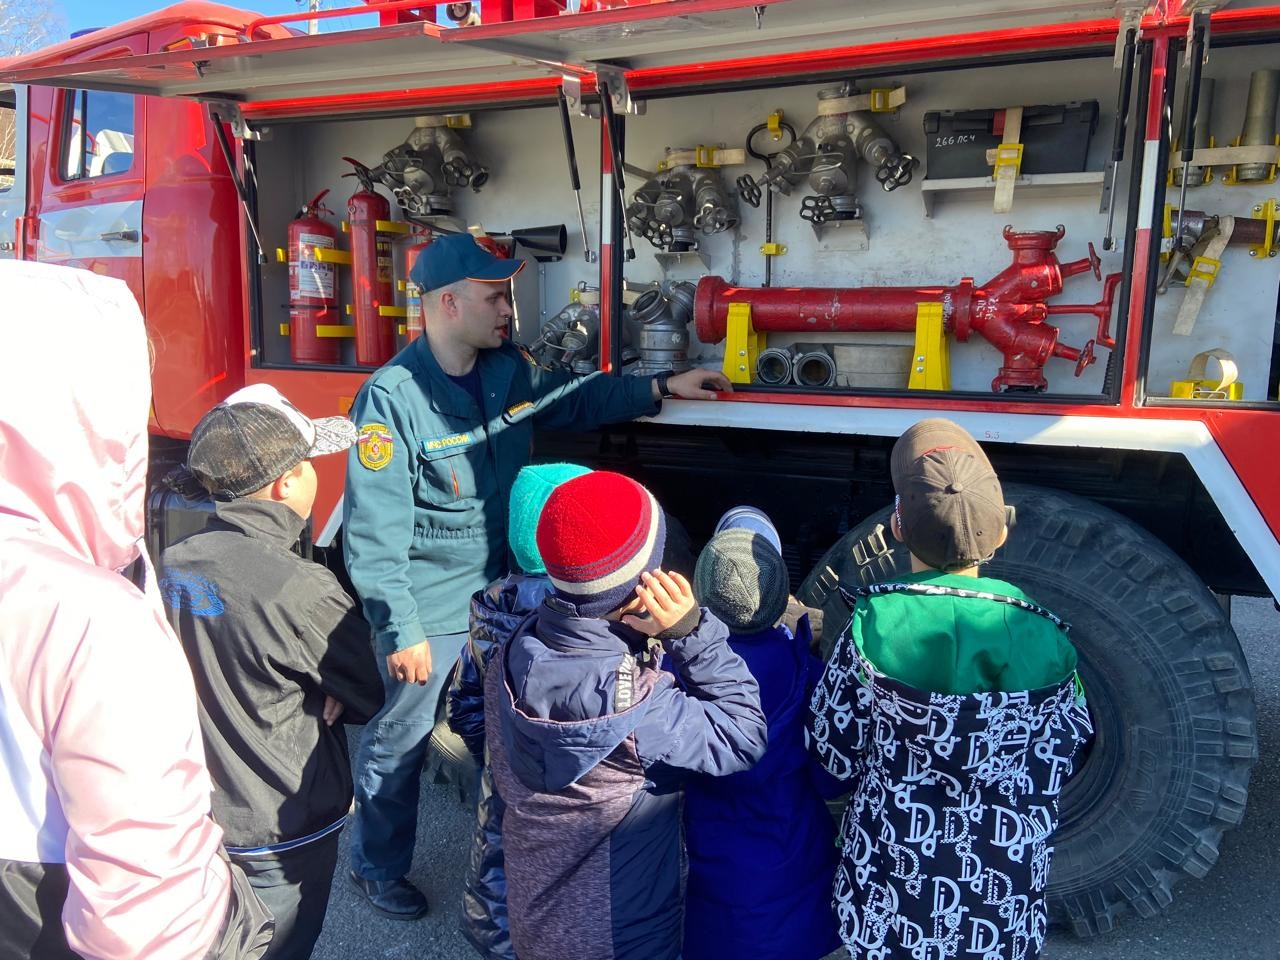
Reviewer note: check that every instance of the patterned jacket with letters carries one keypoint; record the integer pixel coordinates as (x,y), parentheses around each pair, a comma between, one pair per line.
(946,842)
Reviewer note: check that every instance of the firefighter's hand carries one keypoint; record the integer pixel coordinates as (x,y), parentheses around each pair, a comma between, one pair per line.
(667,598)
(410,665)
(698,384)
(332,710)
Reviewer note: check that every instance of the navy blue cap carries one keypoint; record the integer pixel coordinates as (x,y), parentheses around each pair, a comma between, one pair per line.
(455,257)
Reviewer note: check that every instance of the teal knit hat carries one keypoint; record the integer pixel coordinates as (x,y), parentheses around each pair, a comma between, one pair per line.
(529,495)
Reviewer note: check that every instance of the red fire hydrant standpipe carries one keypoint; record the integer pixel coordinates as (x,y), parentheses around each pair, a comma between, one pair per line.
(1009,310)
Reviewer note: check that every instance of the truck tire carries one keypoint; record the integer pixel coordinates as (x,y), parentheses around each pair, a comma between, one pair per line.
(1166,681)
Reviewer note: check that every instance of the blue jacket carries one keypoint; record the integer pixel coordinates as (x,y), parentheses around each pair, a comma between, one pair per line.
(762,854)
(429,479)
(496,612)
(589,743)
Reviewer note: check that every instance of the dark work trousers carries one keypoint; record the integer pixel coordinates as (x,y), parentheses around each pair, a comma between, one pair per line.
(389,765)
(294,886)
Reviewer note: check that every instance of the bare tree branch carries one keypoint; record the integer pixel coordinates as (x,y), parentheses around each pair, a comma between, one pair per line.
(27,25)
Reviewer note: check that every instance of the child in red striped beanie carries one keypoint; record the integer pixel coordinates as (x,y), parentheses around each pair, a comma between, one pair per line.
(590,741)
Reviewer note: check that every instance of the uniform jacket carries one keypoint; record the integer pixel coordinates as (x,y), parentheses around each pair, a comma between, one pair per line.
(762,852)
(428,482)
(947,840)
(106,846)
(589,745)
(269,634)
(496,612)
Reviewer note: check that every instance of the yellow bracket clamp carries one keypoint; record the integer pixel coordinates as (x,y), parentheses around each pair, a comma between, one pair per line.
(382,311)
(1166,233)
(742,344)
(1177,166)
(706,157)
(1008,156)
(1198,385)
(880,100)
(1232,180)
(1204,268)
(330,255)
(1268,214)
(335,330)
(931,359)
(773,249)
(774,125)
(391,226)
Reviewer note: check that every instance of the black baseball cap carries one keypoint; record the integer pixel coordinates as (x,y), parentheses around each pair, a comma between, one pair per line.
(458,256)
(255,436)
(950,504)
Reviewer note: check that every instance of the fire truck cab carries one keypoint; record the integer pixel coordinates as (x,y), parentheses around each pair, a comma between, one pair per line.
(1053,222)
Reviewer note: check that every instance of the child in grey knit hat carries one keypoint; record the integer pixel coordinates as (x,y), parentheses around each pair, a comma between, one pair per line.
(761,843)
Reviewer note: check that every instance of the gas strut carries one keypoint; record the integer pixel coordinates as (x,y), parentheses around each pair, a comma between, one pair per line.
(1119,136)
(1200,26)
(241,191)
(574,182)
(606,106)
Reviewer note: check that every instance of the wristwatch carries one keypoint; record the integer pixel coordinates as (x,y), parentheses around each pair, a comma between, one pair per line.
(661,380)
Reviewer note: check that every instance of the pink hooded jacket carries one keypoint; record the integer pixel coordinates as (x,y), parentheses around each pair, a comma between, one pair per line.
(101,763)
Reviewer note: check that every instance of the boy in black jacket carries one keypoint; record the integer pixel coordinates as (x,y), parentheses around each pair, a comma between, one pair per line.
(278,650)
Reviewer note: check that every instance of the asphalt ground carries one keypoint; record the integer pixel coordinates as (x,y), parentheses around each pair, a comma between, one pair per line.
(1233,914)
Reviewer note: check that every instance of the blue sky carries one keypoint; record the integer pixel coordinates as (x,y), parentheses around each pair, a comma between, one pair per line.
(81,14)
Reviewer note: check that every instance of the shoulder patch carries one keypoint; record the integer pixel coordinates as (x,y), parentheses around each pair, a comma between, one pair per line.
(374,446)
(518,408)
(189,591)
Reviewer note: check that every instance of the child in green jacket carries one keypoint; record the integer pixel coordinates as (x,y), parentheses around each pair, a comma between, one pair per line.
(951,703)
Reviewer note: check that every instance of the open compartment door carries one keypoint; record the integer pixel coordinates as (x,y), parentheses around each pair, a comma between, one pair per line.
(218,53)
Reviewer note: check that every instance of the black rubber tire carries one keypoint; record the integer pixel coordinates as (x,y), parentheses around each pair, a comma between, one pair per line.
(1167,685)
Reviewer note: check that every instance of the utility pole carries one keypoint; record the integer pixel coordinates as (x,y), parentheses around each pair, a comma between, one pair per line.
(313,26)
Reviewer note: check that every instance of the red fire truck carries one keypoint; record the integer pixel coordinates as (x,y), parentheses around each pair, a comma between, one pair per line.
(811,195)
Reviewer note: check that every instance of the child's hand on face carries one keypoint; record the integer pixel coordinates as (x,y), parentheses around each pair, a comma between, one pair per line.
(667,598)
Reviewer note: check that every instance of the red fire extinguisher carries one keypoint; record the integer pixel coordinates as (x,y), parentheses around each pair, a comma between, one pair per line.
(371,274)
(313,290)
(412,295)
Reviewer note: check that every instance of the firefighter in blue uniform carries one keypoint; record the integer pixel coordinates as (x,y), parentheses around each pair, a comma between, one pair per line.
(444,428)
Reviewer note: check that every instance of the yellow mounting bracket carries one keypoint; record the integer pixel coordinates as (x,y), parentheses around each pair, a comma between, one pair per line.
(1176,165)
(402,312)
(1203,268)
(886,99)
(392,226)
(1166,234)
(742,344)
(931,359)
(773,249)
(320,255)
(335,330)
(1008,157)
(1267,213)
(774,125)
(1231,180)
(330,255)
